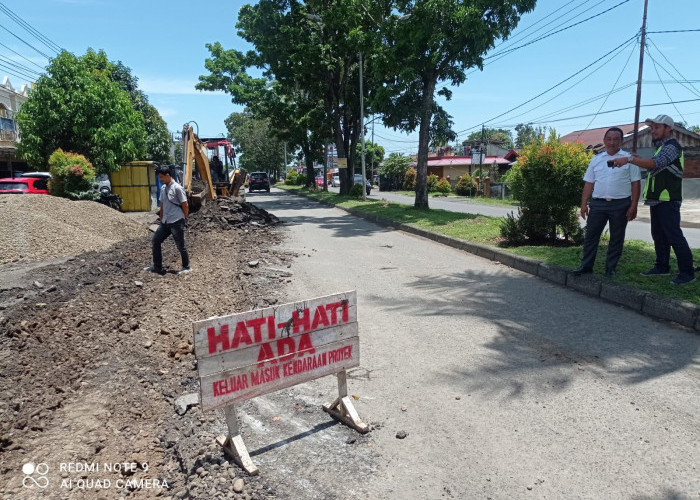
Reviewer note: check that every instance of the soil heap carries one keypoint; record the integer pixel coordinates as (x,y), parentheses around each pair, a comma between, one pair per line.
(36,227)
(95,351)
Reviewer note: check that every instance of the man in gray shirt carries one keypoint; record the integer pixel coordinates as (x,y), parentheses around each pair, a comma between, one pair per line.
(173,218)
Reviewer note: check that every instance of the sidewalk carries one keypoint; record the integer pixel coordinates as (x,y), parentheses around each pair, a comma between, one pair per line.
(690,213)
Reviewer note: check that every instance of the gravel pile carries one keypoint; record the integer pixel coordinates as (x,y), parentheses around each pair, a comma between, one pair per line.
(38,227)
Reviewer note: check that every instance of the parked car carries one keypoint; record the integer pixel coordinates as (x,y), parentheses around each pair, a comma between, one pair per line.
(319,181)
(24,185)
(335,182)
(357,179)
(45,175)
(259,181)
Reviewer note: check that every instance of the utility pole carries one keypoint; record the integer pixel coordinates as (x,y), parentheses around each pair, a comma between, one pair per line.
(373,148)
(285,159)
(362,132)
(639,79)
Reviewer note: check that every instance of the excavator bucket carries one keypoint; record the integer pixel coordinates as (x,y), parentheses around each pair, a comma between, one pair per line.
(237,181)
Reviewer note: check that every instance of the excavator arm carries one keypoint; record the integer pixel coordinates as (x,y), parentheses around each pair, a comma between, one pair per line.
(195,155)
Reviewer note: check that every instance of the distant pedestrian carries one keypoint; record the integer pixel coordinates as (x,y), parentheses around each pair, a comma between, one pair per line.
(615,194)
(174,211)
(663,192)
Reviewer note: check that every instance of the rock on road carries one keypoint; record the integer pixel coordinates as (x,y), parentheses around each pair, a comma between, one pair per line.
(507,386)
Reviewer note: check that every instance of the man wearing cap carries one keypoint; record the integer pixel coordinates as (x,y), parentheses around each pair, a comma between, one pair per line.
(663,192)
(615,194)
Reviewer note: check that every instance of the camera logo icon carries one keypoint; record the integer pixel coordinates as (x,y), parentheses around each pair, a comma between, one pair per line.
(35,475)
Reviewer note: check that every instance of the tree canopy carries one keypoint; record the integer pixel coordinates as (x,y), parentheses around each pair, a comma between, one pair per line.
(428,43)
(79,109)
(501,137)
(261,150)
(527,134)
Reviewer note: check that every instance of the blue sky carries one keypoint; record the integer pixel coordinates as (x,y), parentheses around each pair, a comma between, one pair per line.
(164,45)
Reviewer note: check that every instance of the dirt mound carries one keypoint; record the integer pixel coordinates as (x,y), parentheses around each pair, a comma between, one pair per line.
(225,213)
(95,352)
(39,227)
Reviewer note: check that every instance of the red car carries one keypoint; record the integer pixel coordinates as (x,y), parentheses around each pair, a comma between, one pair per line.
(319,181)
(24,185)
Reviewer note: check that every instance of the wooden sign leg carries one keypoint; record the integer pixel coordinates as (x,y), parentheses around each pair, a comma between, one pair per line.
(233,443)
(342,408)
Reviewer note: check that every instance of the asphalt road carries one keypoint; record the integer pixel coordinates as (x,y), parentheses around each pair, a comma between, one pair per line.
(636,230)
(508,386)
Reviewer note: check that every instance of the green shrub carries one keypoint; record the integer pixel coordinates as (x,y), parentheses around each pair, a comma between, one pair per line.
(443,186)
(462,186)
(294,178)
(409,179)
(72,175)
(432,181)
(356,191)
(547,181)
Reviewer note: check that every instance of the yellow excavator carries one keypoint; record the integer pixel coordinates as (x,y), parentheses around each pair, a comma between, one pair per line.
(195,153)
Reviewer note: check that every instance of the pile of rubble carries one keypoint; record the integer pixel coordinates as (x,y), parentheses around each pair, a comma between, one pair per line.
(227,213)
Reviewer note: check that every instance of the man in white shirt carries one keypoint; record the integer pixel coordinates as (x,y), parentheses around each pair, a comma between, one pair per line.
(174,211)
(614,194)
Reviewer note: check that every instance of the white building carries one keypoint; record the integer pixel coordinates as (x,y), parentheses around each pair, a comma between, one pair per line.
(11,100)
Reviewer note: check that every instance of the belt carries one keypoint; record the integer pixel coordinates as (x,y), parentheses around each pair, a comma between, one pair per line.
(610,199)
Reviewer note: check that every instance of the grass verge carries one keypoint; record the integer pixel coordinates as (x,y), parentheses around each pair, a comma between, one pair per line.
(637,256)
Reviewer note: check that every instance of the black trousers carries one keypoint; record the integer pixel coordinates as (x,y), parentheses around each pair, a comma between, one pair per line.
(177,229)
(667,233)
(600,213)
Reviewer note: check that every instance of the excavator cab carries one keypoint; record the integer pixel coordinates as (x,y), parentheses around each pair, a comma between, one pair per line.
(196,156)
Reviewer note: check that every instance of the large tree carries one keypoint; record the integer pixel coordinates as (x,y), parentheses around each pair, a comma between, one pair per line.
(82,111)
(158,139)
(430,43)
(310,53)
(260,148)
(527,134)
(500,136)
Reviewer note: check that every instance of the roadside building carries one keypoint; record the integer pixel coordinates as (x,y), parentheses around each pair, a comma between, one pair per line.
(10,102)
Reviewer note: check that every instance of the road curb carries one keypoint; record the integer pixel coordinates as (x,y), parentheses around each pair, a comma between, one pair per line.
(656,306)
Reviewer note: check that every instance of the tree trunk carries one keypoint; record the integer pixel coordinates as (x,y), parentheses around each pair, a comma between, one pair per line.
(423,144)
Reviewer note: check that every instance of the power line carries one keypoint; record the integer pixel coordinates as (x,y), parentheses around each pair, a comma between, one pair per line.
(521,32)
(612,111)
(29,28)
(674,31)
(622,45)
(563,29)
(585,77)
(692,89)
(614,85)
(26,43)
(19,66)
(20,55)
(656,69)
(16,72)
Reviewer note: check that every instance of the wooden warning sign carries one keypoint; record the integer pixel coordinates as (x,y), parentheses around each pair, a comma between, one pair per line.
(249,354)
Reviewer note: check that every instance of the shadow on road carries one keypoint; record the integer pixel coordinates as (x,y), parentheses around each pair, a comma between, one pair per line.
(545,334)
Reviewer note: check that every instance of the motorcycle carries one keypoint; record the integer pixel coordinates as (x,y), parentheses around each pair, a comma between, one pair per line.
(112,200)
